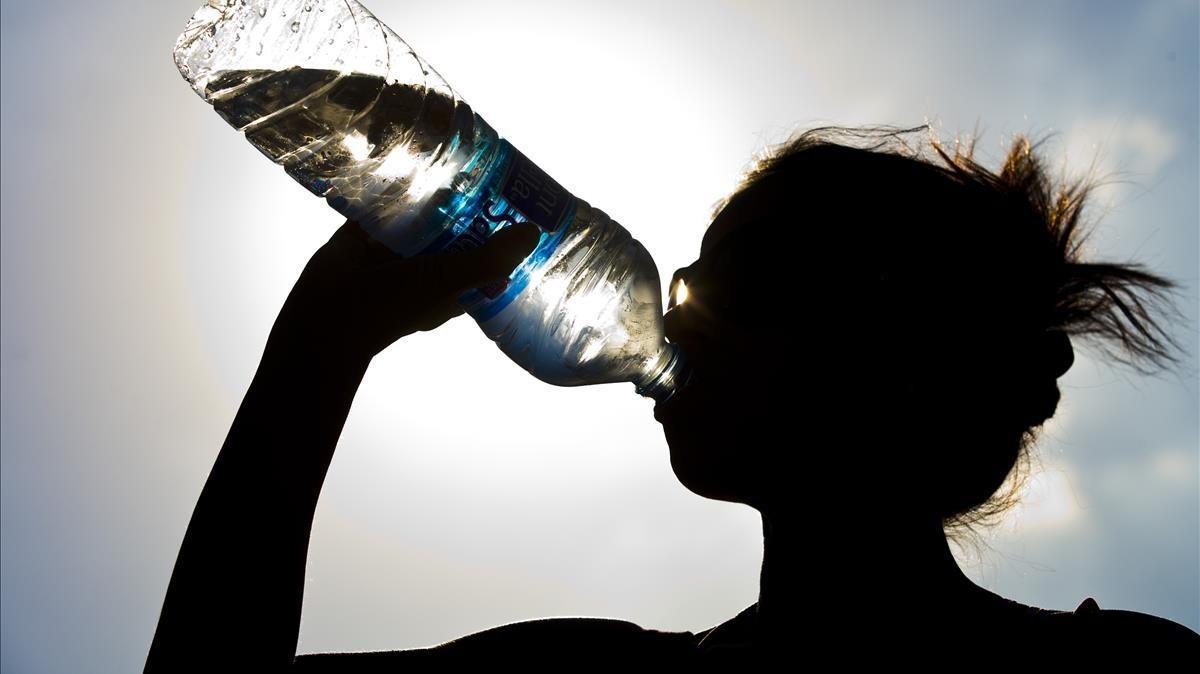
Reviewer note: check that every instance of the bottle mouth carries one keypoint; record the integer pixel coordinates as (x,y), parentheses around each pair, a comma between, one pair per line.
(664,381)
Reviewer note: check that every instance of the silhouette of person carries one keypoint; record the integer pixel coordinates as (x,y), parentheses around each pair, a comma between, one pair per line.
(875,335)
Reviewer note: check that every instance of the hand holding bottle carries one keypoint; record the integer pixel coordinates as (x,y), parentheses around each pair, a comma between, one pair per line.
(355,297)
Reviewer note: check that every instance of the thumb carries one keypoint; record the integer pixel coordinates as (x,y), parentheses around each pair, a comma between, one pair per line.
(492,261)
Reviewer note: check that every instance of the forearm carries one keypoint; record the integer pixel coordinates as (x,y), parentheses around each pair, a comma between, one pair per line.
(238,582)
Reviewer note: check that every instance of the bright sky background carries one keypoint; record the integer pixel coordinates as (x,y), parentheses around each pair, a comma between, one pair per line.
(147,248)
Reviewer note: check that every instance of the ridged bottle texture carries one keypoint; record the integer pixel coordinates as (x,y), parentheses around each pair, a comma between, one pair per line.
(351,112)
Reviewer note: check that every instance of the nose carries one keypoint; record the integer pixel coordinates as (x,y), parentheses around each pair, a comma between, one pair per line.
(671,324)
(679,330)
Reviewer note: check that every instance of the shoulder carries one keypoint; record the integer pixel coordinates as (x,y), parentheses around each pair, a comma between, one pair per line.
(573,635)
(1133,627)
(543,639)
(1098,634)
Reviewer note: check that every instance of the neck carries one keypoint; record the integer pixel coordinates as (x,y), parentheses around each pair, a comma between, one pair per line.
(850,577)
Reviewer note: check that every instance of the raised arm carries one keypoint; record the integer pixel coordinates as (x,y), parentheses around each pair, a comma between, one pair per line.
(235,594)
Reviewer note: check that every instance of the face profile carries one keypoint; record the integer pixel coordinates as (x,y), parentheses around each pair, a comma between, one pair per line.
(712,423)
(774,365)
(874,328)
(776,328)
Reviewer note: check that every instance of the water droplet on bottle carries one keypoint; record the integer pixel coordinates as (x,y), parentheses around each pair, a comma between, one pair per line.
(237,37)
(295,26)
(258,52)
(378,63)
(330,40)
(308,8)
(241,26)
(339,24)
(262,11)
(212,30)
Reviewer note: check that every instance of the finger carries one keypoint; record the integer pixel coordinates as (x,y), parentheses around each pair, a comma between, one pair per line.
(493,261)
(355,240)
(347,243)
(437,314)
(376,251)
(448,275)
(349,231)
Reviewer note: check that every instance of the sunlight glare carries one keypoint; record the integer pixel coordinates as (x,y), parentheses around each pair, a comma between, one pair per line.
(586,311)
(403,163)
(357,145)
(680,293)
(399,162)
(429,178)
(1047,501)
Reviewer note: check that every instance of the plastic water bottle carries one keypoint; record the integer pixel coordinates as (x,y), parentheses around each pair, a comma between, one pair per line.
(324,89)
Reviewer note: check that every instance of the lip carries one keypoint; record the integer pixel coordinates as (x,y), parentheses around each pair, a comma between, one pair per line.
(661,408)
(664,408)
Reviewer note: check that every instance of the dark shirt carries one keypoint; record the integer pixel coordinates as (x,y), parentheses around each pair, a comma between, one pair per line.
(1024,636)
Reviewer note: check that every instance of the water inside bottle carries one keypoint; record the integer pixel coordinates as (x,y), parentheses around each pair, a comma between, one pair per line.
(347,134)
(422,172)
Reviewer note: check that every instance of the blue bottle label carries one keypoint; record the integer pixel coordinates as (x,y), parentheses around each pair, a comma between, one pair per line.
(535,194)
(515,190)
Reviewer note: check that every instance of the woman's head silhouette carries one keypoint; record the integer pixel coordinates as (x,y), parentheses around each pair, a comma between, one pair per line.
(881,322)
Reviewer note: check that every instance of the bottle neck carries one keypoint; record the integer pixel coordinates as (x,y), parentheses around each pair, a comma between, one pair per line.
(665,376)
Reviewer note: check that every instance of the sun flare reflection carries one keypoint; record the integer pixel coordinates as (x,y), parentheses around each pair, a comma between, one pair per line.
(588,314)
(679,293)
(357,145)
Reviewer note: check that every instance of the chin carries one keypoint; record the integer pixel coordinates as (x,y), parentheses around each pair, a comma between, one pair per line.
(696,467)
